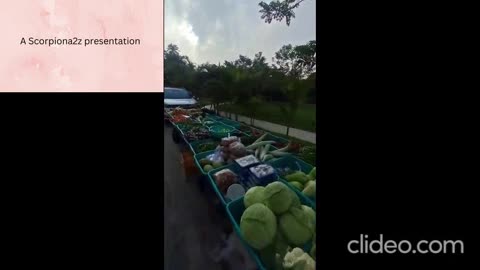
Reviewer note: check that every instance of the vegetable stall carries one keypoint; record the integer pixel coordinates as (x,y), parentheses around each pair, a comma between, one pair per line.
(265,183)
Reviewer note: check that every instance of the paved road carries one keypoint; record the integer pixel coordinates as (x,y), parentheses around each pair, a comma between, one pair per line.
(189,234)
(193,228)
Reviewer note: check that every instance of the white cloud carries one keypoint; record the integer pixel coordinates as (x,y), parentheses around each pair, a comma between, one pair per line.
(217,30)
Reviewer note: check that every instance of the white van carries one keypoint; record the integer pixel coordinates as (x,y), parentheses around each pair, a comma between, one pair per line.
(178,97)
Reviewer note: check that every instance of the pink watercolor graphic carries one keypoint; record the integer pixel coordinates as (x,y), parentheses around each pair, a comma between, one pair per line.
(80,68)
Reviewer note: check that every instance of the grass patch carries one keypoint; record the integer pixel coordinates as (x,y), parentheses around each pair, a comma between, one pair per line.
(293,139)
(271,112)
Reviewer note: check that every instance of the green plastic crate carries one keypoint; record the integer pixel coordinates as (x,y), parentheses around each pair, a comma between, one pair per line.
(291,162)
(221,130)
(214,117)
(230,122)
(178,128)
(234,168)
(295,164)
(235,210)
(193,145)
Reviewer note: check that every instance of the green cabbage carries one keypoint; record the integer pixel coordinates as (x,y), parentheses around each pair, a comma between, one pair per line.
(280,244)
(297,227)
(272,256)
(310,189)
(297,185)
(313,250)
(310,213)
(314,247)
(297,176)
(297,259)
(258,225)
(267,255)
(278,197)
(295,200)
(254,195)
(313,173)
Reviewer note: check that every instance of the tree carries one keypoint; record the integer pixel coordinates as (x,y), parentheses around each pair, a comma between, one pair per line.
(214,89)
(277,10)
(243,62)
(246,82)
(297,61)
(178,69)
(295,92)
(254,103)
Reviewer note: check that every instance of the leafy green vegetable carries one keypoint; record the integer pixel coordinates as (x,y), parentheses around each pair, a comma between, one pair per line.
(254,195)
(310,213)
(310,189)
(258,225)
(206,147)
(267,255)
(297,176)
(295,200)
(308,154)
(296,184)
(278,197)
(280,244)
(297,227)
(313,252)
(313,173)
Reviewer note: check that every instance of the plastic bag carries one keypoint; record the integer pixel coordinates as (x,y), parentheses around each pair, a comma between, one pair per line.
(217,156)
(237,149)
(228,140)
(224,179)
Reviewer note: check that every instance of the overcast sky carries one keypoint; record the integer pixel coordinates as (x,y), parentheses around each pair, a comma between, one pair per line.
(217,30)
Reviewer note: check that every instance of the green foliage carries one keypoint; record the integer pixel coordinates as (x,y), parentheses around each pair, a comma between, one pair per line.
(246,81)
(297,61)
(296,92)
(277,10)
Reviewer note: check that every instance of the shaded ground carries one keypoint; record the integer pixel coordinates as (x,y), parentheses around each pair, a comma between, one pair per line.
(193,228)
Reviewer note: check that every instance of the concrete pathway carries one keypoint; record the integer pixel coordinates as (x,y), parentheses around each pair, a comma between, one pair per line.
(294,132)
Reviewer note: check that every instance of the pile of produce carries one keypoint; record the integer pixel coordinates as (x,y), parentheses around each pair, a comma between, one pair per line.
(179,110)
(205,121)
(179,118)
(205,146)
(302,181)
(212,161)
(224,179)
(276,225)
(229,149)
(197,133)
(261,149)
(307,154)
(187,125)
(278,144)
(252,132)
(183,111)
